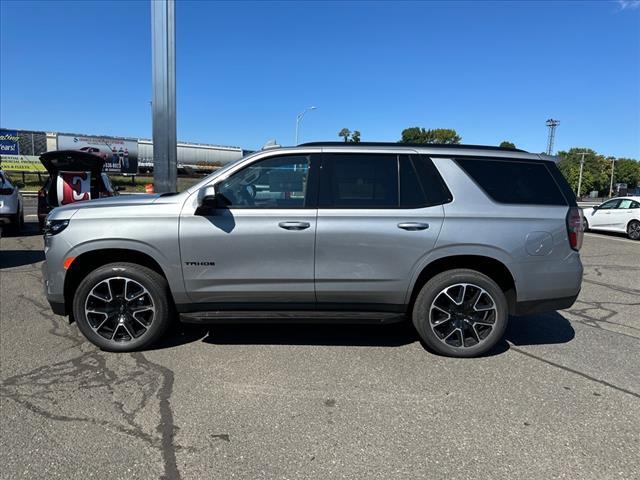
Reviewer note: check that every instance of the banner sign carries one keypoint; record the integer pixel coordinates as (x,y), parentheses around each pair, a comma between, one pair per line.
(73,187)
(27,163)
(9,142)
(120,155)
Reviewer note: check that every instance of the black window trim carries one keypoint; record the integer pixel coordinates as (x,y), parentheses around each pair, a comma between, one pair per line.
(447,196)
(544,163)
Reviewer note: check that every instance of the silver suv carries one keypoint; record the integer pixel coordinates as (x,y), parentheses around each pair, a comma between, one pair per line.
(454,237)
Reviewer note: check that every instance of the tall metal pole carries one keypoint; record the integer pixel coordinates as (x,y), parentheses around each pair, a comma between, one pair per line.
(613,163)
(580,176)
(163,66)
(552,124)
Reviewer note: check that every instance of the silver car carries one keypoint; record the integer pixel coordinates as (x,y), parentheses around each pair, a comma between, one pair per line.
(455,238)
(11,209)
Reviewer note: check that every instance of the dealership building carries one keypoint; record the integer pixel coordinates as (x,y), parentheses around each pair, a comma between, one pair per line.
(20,149)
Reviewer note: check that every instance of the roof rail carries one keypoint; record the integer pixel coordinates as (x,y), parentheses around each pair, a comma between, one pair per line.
(414,145)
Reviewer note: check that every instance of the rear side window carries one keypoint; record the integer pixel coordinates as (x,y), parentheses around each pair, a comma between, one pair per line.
(516,182)
(359,181)
(380,181)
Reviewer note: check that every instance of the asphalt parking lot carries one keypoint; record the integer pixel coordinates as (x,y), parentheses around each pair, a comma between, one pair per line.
(560,398)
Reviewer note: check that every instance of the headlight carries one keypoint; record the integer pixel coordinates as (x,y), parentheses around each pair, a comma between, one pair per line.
(53,227)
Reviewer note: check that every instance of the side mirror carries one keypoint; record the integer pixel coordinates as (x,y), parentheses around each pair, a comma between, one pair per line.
(209,198)
(20,184)
(119,188)
(596,207)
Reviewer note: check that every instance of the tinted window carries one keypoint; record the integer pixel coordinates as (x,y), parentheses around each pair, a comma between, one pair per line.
(434,187)
(411,192)
(279,182)
(359,181)
(515,181)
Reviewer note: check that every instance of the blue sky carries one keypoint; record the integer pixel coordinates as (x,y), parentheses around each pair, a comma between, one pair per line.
(492,70)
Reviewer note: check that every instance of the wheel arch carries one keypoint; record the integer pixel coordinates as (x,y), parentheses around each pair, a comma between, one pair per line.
(88,261)
(489,266)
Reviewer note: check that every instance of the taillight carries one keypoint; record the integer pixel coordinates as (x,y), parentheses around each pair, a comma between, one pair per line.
(575,228)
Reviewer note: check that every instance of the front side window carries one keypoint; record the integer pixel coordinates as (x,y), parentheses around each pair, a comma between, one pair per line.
(279,182)
(611,204)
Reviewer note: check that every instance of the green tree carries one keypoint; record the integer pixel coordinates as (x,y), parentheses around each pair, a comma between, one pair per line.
(349,136)
(627,171)
(437,135)
(507,144)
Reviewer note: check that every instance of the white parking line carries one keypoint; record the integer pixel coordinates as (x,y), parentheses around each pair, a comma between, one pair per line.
(31,215)
(607,237)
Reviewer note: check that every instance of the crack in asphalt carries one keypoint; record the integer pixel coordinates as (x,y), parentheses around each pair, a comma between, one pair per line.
(617,288)
(577,372)
(40,390)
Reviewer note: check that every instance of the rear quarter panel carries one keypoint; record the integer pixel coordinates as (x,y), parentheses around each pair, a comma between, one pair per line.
(530,240)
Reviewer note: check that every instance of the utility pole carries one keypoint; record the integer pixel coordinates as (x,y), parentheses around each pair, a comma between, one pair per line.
(613,163)
(163,66)
(580,176)
(552,124)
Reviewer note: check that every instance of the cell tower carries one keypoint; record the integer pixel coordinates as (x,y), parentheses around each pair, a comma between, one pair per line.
(552,124)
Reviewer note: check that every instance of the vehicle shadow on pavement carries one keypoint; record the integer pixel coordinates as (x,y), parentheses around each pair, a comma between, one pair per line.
(549,328)
(20,258)
(30,229)
(540,329)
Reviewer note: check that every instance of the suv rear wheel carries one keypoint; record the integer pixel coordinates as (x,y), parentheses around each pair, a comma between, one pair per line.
(122,307)
(461,313)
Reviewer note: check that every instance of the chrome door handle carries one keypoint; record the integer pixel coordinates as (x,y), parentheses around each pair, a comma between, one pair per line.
(294,225)
(413,226)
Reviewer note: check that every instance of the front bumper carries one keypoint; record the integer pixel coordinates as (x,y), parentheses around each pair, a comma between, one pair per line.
(55,296)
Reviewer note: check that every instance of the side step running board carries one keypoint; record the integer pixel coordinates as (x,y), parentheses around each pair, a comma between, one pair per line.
(302,316)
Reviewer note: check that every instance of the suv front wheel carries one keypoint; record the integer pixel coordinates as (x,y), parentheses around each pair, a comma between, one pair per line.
(122,307)
(461,313)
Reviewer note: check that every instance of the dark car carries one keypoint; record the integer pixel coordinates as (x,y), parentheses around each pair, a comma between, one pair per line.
(74,176)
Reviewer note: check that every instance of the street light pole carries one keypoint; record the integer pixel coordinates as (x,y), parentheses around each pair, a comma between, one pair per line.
(613,163)
(299,118)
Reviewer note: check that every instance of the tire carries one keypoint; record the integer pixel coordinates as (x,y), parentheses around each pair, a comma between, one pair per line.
(121,329)
(586,224)
(633,230)
(14,224)
(483,321)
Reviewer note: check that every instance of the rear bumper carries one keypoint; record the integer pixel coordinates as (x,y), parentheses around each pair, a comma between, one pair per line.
(538,306)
